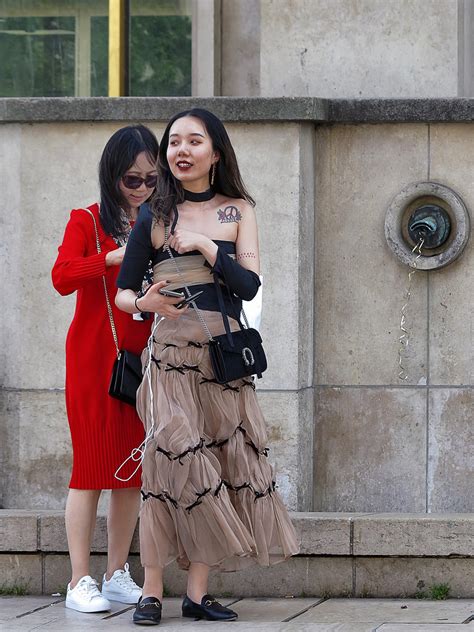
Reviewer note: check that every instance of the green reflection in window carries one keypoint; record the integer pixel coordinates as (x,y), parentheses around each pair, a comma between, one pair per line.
(160,55)
(99,56)
(38,56)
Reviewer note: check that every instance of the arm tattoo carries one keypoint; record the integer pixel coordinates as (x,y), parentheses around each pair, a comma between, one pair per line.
(246,255)
(229,214)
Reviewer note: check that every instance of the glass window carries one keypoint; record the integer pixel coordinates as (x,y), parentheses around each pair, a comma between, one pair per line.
(60,48)
(160,48)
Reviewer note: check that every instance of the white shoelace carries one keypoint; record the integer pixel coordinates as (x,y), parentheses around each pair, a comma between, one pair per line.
(88,588)
(125,581)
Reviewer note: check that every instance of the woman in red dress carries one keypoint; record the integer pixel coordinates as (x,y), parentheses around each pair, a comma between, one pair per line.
(103,430)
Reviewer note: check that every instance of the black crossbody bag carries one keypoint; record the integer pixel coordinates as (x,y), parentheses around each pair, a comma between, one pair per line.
(127,370)
(235,354)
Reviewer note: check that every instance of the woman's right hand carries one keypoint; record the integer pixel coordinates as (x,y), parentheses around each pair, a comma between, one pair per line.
(115,257)
(153,301)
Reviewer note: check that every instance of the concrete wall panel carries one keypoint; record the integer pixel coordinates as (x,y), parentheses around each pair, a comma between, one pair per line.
(450,460)
(366,48)
(452,288)
(369,450)
(360,285)
(37,452)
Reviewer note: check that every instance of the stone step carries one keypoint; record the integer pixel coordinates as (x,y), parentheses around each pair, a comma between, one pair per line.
(342,554)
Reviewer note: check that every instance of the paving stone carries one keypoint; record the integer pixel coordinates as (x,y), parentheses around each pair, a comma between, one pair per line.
(12,607)
(378,611)
(414,627)
(18,530)
(414,534)
(267,609)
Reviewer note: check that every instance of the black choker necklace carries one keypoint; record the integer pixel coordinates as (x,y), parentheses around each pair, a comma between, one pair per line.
(204,196)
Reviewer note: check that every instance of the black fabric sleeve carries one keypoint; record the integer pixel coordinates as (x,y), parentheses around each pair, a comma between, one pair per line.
(242,282)
(138,253)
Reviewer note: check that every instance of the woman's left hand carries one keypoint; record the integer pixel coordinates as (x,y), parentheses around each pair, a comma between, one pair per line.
(183,240)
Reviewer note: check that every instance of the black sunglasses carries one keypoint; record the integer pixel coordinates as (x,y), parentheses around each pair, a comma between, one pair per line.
(135,182)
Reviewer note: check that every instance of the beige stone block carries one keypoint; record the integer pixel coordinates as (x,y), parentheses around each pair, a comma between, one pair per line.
(369,48)
(57,570)
(370,448)
(21,571)
(285,219)
(324,533)
(451,289)
(241,25)
(360,286)
(288,417)
(55,171)
(18,530)
(329,576)
(409,576)
(37,452)
(414,534)
(377,611)
(450,455)
(297,577)
(53,534)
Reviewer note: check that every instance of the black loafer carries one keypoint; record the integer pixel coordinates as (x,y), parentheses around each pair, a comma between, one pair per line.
(148,611)
(209,609)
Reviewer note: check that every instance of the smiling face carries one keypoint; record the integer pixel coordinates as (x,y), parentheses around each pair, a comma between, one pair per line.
(143,168)
(190,153)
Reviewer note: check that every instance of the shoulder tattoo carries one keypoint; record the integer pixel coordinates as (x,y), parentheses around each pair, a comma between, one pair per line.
(229,214)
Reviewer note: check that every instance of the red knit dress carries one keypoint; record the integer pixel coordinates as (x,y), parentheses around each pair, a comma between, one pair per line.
(103,429)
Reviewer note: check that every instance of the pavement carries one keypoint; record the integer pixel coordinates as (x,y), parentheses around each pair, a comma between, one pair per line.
(48,614)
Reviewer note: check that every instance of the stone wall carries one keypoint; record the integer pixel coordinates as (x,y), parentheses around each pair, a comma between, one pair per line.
(323,178)
(347,48)
(49,168)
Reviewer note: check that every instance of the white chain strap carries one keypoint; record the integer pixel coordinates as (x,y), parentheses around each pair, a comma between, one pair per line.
(107,300)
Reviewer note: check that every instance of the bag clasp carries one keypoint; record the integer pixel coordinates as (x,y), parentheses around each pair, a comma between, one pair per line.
(247,357)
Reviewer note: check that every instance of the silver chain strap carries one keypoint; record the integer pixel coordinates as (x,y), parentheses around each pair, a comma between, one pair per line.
(107,300)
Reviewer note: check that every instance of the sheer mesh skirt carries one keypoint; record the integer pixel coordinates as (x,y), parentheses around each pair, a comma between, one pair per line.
(208,488)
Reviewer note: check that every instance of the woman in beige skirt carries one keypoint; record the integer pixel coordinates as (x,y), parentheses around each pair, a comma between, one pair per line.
(208,488)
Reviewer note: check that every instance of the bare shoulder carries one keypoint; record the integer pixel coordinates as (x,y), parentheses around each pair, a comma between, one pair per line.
(233,209)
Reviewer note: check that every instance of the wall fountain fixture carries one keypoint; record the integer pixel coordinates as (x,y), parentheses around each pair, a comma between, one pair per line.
(432,217)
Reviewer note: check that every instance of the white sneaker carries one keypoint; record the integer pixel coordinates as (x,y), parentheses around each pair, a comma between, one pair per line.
(86,597)
(121,587)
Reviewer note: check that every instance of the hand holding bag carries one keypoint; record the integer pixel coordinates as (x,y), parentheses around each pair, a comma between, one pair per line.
(127,370)
(235,354)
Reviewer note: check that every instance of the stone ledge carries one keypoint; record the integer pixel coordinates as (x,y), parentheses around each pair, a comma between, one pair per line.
(51,110)
(443,535)
(235,109)
(320,534)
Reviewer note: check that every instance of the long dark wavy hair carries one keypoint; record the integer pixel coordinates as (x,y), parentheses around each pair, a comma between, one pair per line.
(118,156)
(227,180)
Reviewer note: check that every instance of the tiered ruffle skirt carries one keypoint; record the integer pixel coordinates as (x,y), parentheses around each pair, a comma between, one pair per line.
(208,488)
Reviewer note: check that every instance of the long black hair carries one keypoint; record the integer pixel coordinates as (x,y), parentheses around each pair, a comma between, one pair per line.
(227,180)
(118,156)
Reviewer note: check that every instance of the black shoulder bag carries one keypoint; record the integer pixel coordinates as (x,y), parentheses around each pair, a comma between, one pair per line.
(127,370)
(235,354)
